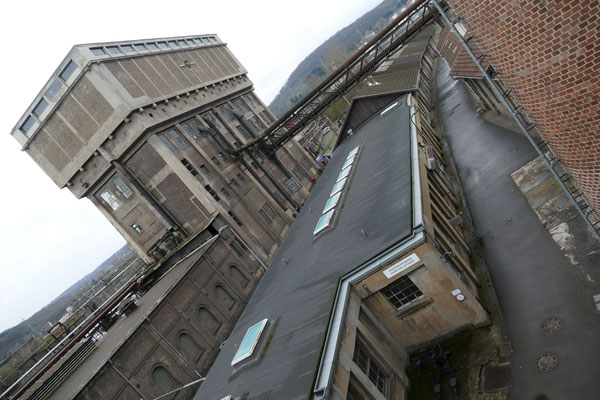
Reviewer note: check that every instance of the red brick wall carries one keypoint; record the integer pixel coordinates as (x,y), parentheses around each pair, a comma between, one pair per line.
(548,53)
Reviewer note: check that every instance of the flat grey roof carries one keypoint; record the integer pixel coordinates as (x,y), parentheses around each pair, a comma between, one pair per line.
(298,290)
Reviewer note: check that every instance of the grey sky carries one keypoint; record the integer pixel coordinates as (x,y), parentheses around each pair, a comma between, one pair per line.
(48,239)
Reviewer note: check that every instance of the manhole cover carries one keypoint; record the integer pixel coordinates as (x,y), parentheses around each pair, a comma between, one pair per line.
(547,362)
(551,325)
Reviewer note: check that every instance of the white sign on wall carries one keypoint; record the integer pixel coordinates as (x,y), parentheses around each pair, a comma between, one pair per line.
(401,265)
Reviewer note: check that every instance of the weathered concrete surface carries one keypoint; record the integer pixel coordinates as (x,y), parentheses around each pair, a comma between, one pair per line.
(533,278)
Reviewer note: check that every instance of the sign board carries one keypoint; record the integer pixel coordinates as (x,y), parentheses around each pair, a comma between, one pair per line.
(320,157)
(460,297)
(402,265)
(458,294)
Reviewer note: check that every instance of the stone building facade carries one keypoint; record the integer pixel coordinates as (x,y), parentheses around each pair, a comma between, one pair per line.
(147,131)
(547,54)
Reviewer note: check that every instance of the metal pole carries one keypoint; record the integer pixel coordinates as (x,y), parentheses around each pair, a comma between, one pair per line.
(126,380)
(514,116)
(171,346)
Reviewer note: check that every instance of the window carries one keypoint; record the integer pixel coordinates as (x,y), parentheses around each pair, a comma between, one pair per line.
(151,46)
(244,132)
(212,192)
(167,143)
(123,188)
(227,112)
(267,117)
(332,202)
(68,71)
(114,50)
(222,156)
(348,162)
(371,368)
(98,51)
(53,89)
(205,40)
(27,125)
(172,43)
(241,178)
(181,43)
(162,45)
(241,106)
(136,227)
(188,129)
(267,213)
(224,296)
(344,173)
(164,380)
(293,184)
(338,186)
(234,183)
(178,139)
(324,222)
(208,320)
(204,169)
(139,47)
(238,276)
(278,198)
(197,41)
(214,160)
(39,109)
(249,341)
(127,48)
(235,218)
(226,193)
(189,167)
(189,346)
(109,197)
(402,292)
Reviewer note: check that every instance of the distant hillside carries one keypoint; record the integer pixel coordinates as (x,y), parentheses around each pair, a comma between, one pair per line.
(15,336)
(331,54)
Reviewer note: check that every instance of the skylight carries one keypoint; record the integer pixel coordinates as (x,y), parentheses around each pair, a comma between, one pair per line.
(348,162)
(388,108)
(332,202)
(345,172)
(324,222)
(338,186)
(353,152)
(249,341)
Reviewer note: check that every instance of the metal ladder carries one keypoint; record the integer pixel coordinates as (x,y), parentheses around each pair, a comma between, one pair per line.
(517,112)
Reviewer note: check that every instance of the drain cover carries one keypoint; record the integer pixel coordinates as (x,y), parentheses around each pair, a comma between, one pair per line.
(547,362)
(551,325)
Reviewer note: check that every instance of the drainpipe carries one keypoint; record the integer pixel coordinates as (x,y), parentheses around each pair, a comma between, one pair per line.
(123,170)
(131,385)
(274,181)
(250,128)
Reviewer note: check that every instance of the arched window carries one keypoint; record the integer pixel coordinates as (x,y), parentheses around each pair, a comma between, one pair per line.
(237,275)
(208,320)
(224,296)
(189,346)
(163,379)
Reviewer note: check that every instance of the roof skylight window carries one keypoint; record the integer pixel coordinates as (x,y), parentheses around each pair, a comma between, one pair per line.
(332,202)
(344,173)
(113,50)
(140,47)
(348,162)
(388,108)
(324,222)
(127,48)
(353,152)
(338,186)
(249,341)
(98,51)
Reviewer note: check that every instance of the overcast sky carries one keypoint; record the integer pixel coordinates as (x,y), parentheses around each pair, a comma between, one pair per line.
(48,239)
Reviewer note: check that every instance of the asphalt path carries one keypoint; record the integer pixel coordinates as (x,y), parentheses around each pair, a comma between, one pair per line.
(533,279)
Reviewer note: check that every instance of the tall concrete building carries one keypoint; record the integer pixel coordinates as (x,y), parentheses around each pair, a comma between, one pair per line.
(124,124)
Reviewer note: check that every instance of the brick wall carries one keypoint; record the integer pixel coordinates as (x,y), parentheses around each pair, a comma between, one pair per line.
(548,53)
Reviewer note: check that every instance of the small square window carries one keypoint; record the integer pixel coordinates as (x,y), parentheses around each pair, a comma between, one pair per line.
(172,43)
(98,51)
(127,48)
(162,45)
(53,89)
(68,71)
(39,109)
(151,46)
(139,47)
(226,193)
(197,41)
(402,292)
(181,43)
(212,192)
(204,169)
(114,50)
(235,184)
(215,161)
(27,125)
(241,178)
(136,227)
(222,156)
